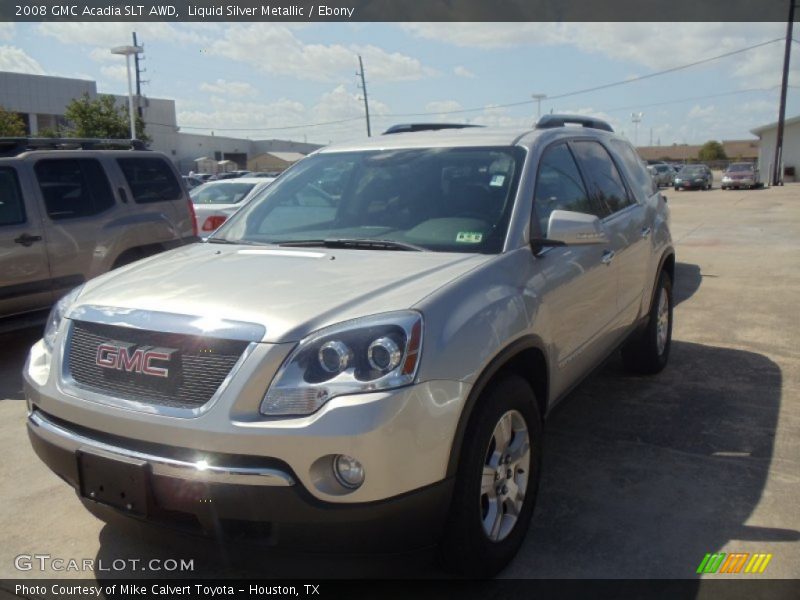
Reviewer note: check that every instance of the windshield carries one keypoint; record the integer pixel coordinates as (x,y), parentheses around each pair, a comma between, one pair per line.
(740,167)
(442,199)
(693,170)
(220,193)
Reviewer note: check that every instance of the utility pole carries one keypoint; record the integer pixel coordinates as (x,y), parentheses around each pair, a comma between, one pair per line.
(636,118)
(364,89)
(538,98)
(139,72)
(776,170)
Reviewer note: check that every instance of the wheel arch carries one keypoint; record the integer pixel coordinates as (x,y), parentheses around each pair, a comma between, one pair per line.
(524,357)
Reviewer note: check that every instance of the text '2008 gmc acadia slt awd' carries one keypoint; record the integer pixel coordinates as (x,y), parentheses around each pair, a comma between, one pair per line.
(366,352)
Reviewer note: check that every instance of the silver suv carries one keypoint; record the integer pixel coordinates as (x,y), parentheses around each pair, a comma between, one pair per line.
(69,215)
(365,354)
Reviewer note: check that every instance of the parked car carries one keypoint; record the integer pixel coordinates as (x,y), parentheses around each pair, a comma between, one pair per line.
(67,216)
(215,201)
(270,174)
(694,177)
(369,364)
(663,174)
(191,181)
(739,175)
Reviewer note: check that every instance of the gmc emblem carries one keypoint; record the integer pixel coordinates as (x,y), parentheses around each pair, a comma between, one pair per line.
(126,357)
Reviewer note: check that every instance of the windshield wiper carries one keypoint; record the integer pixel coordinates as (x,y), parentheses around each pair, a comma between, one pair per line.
(235,242)
(364,244)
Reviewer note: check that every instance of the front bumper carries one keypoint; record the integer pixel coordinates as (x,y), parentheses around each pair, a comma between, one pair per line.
(691,185)
(232,497)
(737,183)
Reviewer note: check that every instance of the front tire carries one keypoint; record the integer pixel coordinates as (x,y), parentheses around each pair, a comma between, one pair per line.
(648,354)
(497,481)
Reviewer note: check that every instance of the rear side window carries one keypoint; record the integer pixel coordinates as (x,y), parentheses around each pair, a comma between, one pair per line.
(150,180)
(12,210)
(73,188)
(559,187)
(637,173)
(603,179)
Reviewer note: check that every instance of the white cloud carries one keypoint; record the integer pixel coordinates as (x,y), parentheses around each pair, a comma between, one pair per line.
(16,60)
(115,72)
(443,106)
(6,32)
(653,45)
(275,49)
(231,88)
(702,112)
(107,35)
(461,71)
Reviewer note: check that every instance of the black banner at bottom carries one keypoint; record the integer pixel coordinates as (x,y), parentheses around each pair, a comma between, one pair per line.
(458,589)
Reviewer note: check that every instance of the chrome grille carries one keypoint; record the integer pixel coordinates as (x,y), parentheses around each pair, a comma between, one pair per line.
(197,368)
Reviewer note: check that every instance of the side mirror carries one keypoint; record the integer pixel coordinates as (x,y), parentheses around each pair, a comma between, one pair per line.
(574,228)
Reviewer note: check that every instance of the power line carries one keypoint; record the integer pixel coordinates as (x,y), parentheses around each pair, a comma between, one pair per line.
(593,89)
(509,104)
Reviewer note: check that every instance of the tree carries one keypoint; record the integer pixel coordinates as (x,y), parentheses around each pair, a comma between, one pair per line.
(101,118)
(11,124)
(712,150)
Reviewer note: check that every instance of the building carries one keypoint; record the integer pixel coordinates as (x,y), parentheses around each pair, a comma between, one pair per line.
(768,135)
(744,150)
(41,100)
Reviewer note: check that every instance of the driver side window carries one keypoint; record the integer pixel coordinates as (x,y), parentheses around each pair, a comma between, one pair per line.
(558,187)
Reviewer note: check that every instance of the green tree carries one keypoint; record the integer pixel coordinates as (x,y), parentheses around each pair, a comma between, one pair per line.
(11,124)
(711,150)
(101,118)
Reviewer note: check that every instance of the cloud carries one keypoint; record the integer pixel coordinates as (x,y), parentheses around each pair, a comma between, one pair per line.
(6,32)
(107,35)
(230,88)
(653,45)
(276,50)
(461,71)
(115,72)
(16,60)
(701,112)
(443,106)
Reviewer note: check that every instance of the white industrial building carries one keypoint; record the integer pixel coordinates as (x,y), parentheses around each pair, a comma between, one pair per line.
(41,100)
(768,135)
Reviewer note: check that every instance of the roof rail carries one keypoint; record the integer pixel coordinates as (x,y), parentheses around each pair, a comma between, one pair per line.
(11,146)
(552,121)
(411,127)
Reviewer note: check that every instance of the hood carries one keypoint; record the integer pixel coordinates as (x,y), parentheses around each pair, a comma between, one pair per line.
(290,291)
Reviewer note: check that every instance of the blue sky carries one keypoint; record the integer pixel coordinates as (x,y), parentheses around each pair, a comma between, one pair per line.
(252,80)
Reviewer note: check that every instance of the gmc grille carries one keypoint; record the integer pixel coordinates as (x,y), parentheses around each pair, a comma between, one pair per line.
(197,367)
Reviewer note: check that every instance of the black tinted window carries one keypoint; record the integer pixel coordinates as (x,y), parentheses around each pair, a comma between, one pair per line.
(12,211)
(73,188)
(638,176)
(603,179)
(559,187)
(150,179)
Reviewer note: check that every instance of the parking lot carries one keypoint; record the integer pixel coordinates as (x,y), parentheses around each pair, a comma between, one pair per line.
(642,476)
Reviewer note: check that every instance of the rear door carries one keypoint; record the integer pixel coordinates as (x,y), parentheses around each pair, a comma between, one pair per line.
(157,198)
(79,211)
(582,295)
(24,270)
(624,222)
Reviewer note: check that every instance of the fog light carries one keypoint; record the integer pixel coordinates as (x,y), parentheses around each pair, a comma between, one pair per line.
(348,471)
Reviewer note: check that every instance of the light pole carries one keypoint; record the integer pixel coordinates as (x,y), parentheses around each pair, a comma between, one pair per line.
(129,51)
(538,98)
(636,118)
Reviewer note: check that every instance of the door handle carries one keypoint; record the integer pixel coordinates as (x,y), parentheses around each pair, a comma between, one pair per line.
(27,239)
(646,231)
(608,256)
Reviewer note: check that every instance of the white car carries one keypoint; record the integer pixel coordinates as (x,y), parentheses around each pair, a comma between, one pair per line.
(215,201)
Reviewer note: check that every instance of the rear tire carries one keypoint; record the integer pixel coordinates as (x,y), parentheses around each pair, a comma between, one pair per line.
(648,354)
(497,481)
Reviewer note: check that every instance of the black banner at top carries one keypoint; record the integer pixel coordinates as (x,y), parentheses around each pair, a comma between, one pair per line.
(395,10)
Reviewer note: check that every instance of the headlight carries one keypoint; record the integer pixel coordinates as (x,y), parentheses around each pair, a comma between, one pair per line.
(374,353)
(56,317)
